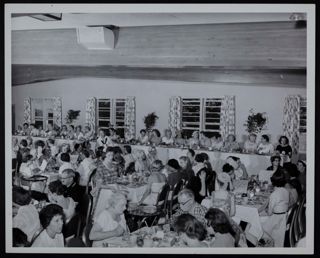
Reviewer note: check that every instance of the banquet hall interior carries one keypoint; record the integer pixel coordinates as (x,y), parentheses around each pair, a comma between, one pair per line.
(158,129)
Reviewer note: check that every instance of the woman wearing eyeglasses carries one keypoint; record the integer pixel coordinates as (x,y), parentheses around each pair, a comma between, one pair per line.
(156,181)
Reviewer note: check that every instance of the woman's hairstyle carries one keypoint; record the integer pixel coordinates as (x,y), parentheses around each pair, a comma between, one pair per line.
(143,131)
(48,212)
(253,134)
(167,131)
(110,149)
(71,127)
(65,157)
(26,156)
(273,158)
(26,124)
(79,127)
(284,137)
(76,146)
(86,153)
(115,198)
(291,169)
(39,143)
(157,163)
(63,127)
(278,178)
(234,158)
(219,221)
(19,238)
(157,132)
(100,153)
(188,224)
(199,158)
(192,152)
(117,149)
(227,168)
(87,127)
(187,160)
(50,140)
(205,156)
(57,187)
(127,148)
(24,143)
(266,137)
(233,136)
(102,130)
(20,196)
(112,129)
(302,162)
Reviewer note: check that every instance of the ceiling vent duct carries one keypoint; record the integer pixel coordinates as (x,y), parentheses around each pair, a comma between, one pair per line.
(96,38)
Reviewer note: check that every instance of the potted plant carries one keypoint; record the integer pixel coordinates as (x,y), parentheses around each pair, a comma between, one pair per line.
(72,115)
(150,120)
(256,122)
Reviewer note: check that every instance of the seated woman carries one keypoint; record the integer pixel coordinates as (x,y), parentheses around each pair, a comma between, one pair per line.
(155,138)
(141,164)
(152,155)
(167,139)
(204,141)
(33,130)
(25,215)
(240,170)
(301,166)
(194,141)
(276,208)
(224,233)
(64,132)
(179,140)
(71,132)
(78,134)
(284,148)
(51,219)
(56,196)
(191,231)
(275,163)
(156,181)
(110,225)
(216,142)
(222,198)
(50,132)
(265,147)
(143,137)
(128,136)
(250,146)
(27,167)
(228,169)
(231,145)
(113,138)
(106,170)
(102,138)
(88,133)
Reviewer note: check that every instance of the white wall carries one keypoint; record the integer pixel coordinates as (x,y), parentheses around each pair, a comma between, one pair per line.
(154,96)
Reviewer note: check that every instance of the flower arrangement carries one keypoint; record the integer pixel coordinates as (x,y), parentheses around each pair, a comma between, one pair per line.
(150,120)
(256,122)
(72,115)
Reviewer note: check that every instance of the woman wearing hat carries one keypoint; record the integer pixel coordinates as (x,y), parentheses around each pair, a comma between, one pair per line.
(172,172)
(223,199)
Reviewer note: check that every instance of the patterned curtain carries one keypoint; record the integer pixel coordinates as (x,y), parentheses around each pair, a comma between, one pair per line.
(175,113)
(291,121)
(91,113)
(130,116)
(57,111)
(27,110)
(228,119)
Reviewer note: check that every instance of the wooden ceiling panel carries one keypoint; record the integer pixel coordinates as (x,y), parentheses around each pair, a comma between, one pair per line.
(258,45)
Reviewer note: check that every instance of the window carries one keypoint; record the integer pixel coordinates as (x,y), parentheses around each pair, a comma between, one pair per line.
(111,113)
(42,112)
(202,114)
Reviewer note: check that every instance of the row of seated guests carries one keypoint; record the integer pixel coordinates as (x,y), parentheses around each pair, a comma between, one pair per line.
(153,137)
(66,131)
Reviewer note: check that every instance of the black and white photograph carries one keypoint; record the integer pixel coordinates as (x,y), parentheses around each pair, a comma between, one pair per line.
(160,129)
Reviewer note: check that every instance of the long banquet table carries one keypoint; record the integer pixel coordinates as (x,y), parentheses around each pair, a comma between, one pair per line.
(254,163)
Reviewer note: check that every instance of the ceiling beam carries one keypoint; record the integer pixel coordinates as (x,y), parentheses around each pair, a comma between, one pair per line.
(26,74)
